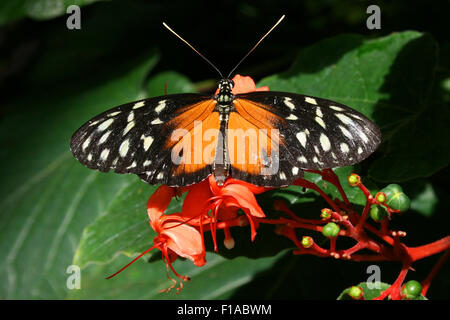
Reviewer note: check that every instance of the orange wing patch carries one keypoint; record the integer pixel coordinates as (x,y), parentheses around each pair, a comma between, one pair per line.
(253,138)
(194,141)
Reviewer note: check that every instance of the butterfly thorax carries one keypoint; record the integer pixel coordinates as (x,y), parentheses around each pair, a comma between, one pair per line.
(225,96)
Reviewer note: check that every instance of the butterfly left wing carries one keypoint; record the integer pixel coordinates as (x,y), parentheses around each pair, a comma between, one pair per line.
(138,138)
(315,133)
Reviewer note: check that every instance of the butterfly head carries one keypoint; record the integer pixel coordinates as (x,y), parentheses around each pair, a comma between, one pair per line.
(226,85)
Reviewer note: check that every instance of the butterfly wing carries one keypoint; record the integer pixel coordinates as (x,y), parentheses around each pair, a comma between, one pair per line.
(258,153)
(315,133)
(138,138)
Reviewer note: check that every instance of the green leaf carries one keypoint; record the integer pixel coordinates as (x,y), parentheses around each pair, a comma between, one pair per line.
(372,292)
(174,81)
(220,278)
(423,197)
(48,198)
(123,228)
(418,149)
(123,225)
(36,9)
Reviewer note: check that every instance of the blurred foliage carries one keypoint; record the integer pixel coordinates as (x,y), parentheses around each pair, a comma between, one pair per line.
(54,211)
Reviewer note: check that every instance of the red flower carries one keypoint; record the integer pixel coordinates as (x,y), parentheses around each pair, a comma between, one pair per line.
(174,235)
(244,84)
(217,206)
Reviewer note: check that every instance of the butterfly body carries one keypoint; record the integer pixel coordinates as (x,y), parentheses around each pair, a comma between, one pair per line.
(265,138)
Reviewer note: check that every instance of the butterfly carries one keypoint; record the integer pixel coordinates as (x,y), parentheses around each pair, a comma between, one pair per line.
(266,138)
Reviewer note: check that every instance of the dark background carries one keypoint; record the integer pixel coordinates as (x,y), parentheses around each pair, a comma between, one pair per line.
(116,31)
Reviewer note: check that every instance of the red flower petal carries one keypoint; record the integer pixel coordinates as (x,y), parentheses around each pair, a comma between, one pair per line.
(244,84)
(185,241)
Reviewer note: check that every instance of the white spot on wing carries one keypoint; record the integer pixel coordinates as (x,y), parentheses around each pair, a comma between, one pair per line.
(160,176)
(301,136)
(319,112)
(325,142)
(139,105)
(346,132)
(112,114)
(95,122)
(311,100)
(336,108)
(147,162)
(288,103)
(130,116)
(160,107)
(282,175)
(356,116)
(156,121)
(129,126)
(302,159)
(344,148)
(292,117)
(295,170)
(104,154)
(363,136)
(344,119)
(320,121)
(104,137)
(132,165)
(89,157)
(105,124)
(123,149)
(86,143)
(360,150)
(147,141)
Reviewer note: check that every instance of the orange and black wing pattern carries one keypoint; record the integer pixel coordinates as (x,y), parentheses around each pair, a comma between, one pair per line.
(313,133)
(265,138)
(139,138)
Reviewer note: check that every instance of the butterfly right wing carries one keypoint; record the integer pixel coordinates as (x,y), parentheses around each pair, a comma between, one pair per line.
(315,133)
(138,138)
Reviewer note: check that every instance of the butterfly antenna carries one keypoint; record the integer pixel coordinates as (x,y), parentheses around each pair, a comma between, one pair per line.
(190,46)
(254,47)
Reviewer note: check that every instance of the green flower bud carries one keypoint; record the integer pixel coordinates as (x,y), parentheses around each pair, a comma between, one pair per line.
(307,242)
(331,230)
(381,197)
(395,198)
(354,179)
(412,289)
(377,213)
(356,293)
(325,214)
